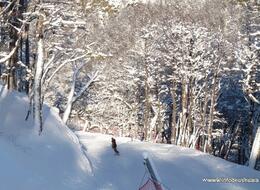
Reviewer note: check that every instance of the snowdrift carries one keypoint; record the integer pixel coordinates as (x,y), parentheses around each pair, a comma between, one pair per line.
(52,161)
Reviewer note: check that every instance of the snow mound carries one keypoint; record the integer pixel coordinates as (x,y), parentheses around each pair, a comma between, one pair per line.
(51,161)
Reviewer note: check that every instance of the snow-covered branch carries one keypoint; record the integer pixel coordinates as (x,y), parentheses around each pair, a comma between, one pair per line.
(14,50)
(84,88)
(47,68)
(71,97)
(61,66)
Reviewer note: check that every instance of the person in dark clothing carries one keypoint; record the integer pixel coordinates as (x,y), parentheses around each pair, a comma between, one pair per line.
(166,134)
(114,145)
(163,135)
(142,136)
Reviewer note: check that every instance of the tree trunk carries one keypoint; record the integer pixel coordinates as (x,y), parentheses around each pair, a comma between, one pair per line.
(70,99)
(147,103)
(37,98)
(255,150)
(174,112)
(11,78)
(211,113)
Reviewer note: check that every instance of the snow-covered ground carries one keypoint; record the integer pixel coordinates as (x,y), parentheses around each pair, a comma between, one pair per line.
(56,161)
(52,161)
(179,168)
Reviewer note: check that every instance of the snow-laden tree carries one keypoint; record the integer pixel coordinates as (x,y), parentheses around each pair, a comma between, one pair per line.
(14,57)
(193,71)
(182,71)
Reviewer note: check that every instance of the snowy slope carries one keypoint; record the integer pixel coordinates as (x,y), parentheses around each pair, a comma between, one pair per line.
(179,168)
(55,160)
(52,161)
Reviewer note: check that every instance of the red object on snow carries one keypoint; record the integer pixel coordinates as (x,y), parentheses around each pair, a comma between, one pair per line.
(150,185)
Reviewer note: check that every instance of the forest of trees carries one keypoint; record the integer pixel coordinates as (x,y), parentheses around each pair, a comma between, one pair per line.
(183,72)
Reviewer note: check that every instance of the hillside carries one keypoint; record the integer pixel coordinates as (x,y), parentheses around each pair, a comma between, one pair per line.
(51,161)
(183,72)
(178,168)
(56,161)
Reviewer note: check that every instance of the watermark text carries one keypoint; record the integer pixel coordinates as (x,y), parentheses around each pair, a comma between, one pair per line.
(231,180)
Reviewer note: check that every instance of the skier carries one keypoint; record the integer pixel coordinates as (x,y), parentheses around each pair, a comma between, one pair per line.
(114,145)
(142,136)
(163,134)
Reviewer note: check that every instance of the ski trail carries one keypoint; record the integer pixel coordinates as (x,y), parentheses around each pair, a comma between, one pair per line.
(84,150)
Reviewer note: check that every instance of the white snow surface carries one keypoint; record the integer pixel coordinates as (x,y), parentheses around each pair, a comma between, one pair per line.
(179,168)
(52,161)
(56,161)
